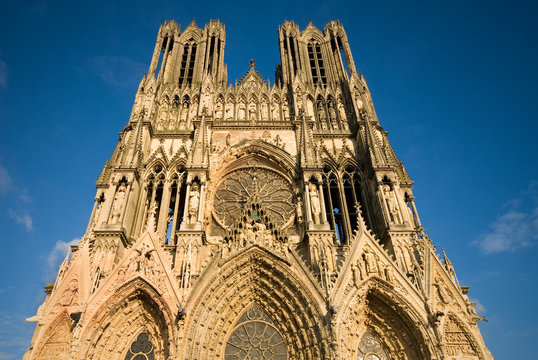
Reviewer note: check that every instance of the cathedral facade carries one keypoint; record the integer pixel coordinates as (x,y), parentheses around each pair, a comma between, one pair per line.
(255,221)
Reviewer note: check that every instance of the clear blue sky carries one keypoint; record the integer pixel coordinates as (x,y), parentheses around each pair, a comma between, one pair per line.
(454,83)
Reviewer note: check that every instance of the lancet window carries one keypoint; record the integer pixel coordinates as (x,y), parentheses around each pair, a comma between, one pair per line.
(176,204)
(339,55)
(155,187)
(166,49)
(343,199)
(187,63)
(291,53)
(317,67)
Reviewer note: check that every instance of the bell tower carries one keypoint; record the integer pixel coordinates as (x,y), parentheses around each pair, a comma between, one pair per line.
(252,220)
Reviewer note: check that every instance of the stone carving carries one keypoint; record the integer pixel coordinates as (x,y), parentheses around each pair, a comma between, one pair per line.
(392,204)
(315,203)
(117,205)
(299,209)
(194,203)
(213,259)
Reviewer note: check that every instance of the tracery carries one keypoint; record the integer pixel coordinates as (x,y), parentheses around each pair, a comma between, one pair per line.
(255,337)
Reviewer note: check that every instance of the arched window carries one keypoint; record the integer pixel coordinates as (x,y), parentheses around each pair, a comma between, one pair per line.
(333,204)
(317,68)
(343,199)
(155,187)
(141,348)
(176,204)
(187,63)
(255,337)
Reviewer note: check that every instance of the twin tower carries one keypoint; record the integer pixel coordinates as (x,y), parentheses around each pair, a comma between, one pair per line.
(255,221)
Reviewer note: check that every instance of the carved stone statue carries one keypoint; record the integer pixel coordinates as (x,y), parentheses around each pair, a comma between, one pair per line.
(194,203)
(315,203)
(152,221)
(299,210)
(252,112)
(274,111)
(117,206)
(218,111)
(392,206)
(332,117)
(241,111)
(265,111)
(369,260)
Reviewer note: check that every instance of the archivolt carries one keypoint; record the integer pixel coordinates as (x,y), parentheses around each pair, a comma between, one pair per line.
(389,317)
(133,308)
(255,276)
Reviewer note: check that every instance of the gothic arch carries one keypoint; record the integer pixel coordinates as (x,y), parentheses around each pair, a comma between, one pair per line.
(392,319)
(458,339)
(58,339)
(254,276)
(135,307)
(260,151)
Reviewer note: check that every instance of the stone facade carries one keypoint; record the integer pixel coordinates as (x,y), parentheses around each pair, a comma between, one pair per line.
(255,221)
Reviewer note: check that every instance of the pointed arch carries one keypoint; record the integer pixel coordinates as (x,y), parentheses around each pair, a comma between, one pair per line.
(254,276)
(57,345)
(377,309)
(459,343)
(134,308)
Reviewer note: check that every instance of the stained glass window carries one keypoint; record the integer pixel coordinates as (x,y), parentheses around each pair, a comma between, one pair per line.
(255,337)
(370,348)
(141,349)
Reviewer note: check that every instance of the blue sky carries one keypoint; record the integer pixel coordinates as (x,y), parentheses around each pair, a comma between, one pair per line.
(452,82)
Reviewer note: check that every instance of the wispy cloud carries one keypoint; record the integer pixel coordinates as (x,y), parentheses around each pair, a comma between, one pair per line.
(479,307)
(511,231)
(515,228)
(3,75)
(22,219)
(57,254)
(118,71)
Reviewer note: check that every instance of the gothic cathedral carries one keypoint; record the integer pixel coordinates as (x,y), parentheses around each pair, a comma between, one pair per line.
(255,221)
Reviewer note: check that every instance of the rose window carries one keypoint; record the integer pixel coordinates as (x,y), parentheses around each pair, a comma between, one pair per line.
(255,337)
(370,348)
(244,187)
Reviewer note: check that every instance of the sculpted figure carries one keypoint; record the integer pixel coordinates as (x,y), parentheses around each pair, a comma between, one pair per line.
(265,111)
(315,203)
(299,210)
(343,117)
(218,111)
(391,204)
(151,217)
(358,100)
(97,213)
(194,202)
(332,117)
(252,112)
(229,112)
(369,260)
(241,112)
(274,111)
(286,109)
(117,206)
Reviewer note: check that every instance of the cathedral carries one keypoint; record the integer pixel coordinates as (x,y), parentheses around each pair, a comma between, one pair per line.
(252,220)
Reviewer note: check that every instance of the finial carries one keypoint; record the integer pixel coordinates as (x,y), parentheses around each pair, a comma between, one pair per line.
(252,64)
